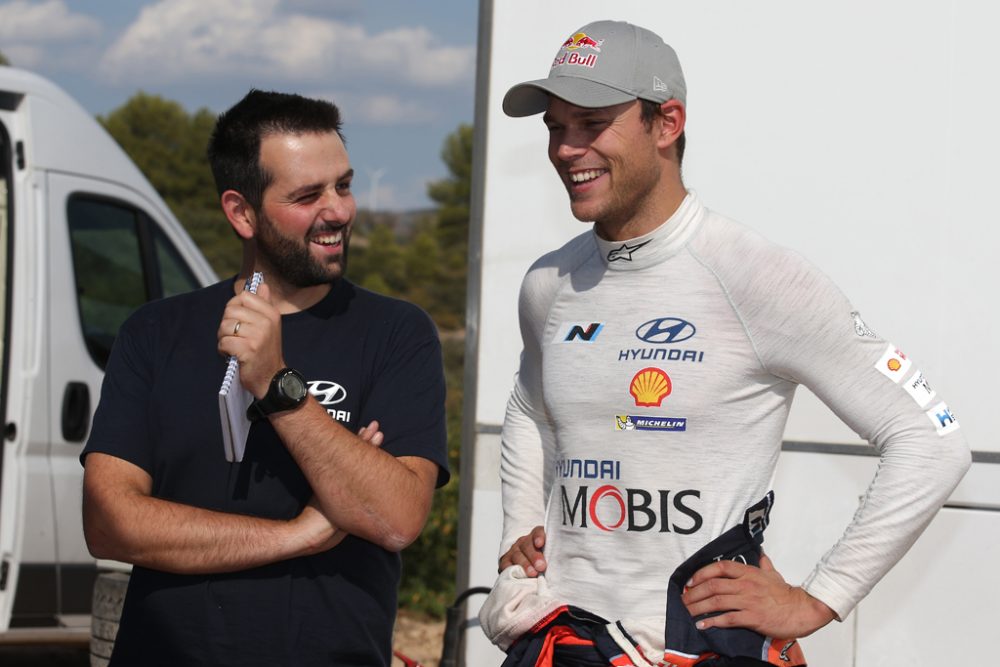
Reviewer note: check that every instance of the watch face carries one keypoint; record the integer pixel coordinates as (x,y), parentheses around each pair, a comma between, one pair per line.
(292,386)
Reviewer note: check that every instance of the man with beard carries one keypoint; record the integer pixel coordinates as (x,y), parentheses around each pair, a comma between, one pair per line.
(289,556)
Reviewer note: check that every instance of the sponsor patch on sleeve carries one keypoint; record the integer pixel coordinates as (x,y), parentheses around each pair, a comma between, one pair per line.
(919,389)
(943,419)
(893,364)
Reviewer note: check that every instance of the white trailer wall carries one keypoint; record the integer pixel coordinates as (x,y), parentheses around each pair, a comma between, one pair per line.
(864,135)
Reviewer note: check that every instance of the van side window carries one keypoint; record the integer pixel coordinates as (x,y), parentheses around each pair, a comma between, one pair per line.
(121,259)
(175,275)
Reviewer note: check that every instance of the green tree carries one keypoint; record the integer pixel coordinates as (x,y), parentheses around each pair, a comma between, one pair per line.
(436,267)
(453,196)
(168,144)
(3,60)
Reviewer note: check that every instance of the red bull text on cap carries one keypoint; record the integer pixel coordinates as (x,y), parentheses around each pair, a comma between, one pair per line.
(602,64)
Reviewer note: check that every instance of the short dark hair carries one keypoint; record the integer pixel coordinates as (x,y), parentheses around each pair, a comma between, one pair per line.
(648,110)
(234,148)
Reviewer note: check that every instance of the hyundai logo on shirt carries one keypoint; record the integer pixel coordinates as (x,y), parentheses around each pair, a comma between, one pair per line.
(665,330)
(328,394)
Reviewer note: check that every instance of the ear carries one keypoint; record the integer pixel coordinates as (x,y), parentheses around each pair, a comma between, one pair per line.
(673,117)
(239,213)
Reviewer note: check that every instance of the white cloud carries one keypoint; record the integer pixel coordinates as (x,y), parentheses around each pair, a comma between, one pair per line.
(185,39)
(22,22)
(381,109)
(24,56)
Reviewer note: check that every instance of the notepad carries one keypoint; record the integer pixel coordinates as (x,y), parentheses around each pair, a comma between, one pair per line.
(234,399)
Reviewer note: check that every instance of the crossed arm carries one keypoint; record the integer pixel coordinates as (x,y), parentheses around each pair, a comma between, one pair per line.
(123,521)
(359,489)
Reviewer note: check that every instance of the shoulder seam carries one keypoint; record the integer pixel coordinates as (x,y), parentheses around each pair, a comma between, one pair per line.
(732,304)
(561,280)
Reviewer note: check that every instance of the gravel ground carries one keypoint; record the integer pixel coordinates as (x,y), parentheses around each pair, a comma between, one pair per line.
(417,638)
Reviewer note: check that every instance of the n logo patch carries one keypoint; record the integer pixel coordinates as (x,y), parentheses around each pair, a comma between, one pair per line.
(572,332)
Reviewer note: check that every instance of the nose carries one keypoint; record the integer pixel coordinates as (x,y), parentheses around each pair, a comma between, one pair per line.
(567,146)
(338,206)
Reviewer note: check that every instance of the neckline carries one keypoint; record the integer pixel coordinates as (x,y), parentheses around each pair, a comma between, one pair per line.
(652,248)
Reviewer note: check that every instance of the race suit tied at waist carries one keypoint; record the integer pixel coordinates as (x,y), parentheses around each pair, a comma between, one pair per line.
(686,645)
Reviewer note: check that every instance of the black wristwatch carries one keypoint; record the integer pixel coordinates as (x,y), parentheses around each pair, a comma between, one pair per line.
(287,391)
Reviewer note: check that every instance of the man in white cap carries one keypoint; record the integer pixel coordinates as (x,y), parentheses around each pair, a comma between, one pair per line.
(640,441)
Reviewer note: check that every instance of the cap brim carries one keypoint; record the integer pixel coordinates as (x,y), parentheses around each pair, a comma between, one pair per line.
(531,97)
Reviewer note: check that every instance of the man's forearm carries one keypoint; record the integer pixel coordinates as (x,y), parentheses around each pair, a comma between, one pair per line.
(123,522)
(362,489)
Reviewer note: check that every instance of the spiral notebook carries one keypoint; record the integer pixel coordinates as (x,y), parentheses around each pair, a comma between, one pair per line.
(234,399)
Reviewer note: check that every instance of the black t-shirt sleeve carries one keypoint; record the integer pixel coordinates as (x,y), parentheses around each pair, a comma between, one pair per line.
(121,421)
(407,393)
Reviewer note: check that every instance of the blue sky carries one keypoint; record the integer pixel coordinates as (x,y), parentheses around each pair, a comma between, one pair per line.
(403,72)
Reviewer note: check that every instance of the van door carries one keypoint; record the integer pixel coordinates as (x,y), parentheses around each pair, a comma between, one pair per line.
(109,250)
(11,444)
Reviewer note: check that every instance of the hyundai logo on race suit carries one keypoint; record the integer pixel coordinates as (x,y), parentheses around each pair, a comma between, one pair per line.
(665,330)
(326,392)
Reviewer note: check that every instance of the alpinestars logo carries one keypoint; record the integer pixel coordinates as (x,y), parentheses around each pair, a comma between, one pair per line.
(625,252)
(329,393)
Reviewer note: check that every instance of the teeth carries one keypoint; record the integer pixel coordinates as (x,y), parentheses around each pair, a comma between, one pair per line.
(585,176)
(328,239)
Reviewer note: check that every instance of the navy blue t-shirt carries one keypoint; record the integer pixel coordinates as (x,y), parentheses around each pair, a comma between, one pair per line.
(365,356)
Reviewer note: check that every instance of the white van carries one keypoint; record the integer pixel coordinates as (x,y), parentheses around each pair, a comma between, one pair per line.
(84,240)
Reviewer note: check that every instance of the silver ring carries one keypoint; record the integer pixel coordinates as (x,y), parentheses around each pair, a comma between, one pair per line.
(236,329)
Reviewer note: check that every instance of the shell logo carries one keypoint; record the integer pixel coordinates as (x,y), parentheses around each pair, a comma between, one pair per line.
(894,365)
(649,387)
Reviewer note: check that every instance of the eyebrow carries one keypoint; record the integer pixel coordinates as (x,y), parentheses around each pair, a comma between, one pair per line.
(305,189)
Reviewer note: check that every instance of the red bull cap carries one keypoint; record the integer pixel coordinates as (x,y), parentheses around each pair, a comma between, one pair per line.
(603,64)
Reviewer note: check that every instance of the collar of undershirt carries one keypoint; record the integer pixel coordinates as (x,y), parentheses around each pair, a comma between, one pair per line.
(656,246)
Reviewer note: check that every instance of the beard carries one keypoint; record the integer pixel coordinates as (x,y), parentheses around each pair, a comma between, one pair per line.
(290,258)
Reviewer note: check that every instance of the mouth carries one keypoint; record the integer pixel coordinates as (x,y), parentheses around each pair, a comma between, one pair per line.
(582,177)
(329,239)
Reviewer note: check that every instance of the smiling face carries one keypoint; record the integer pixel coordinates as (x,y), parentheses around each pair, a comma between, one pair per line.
(608,161)
(304,224)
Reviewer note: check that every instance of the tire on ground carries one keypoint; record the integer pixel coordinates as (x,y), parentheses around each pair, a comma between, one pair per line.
(109,594)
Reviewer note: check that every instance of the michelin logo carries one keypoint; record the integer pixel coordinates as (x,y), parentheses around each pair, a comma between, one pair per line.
(641,423)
